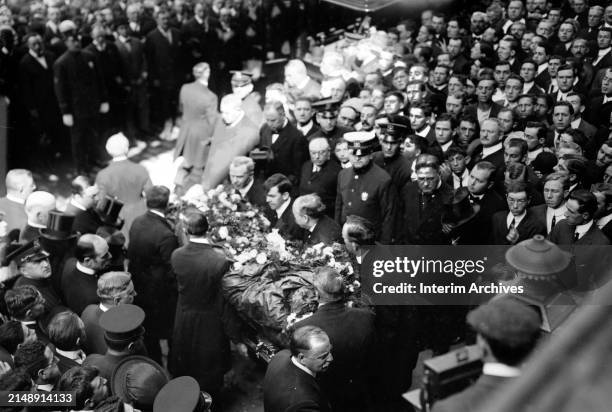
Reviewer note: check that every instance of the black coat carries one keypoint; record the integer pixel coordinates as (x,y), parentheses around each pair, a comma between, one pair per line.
(289,151)
(422,214)
(398,167)
(323,183)
(37,93)
(326,230)
(257,194)
(94,342)
(152,242)
(163,59)
(200,347)
(79,84)
(351,332)
(112,69)
(472,398)
(528,227)
(287,388)
(85,221)
(79,289)
(286,225)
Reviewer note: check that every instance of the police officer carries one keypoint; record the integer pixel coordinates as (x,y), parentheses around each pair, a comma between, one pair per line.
(182,394)
(390,157)
(242,85)
(327,119)
(366,189)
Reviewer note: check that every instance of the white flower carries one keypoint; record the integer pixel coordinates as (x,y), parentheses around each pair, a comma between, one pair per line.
(235,197)
(223,232)
(237,266)
(250,214)
(261,258)
(194,192)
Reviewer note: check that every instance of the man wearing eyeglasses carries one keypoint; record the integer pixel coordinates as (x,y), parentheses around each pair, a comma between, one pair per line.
(519,223)
(290,382)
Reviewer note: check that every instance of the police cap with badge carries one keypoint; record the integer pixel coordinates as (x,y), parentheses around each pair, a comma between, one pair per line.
(361,143)
(29,252)
(394,132)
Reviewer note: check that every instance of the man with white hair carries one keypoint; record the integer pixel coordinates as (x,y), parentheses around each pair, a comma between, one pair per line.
(199,106)
(19,185)
(235,135)
(242,86)
(320,174)
(298,83)
(37,208)
(241,176)
(124,179)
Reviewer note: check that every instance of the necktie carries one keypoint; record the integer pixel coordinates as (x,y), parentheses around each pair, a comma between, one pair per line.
(474,199)
(553,222)
(460,180)
(512,224)
(576,236)
(274,137)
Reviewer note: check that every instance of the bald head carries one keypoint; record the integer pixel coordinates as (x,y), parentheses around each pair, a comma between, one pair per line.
(37,207)
(117,145)
(19,183)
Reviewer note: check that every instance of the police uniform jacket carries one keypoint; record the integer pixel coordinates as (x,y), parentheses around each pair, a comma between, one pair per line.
(368,193)
(398,167)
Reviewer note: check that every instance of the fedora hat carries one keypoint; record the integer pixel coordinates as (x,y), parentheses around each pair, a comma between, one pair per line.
(459,211)
(59,226)
(109,209)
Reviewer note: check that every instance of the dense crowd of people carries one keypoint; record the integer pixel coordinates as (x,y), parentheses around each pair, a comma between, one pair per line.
(485,127)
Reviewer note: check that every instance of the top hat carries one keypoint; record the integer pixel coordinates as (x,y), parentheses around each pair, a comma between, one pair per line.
(108,210)
(59,226)
(182,394)
(460,210)
(137,380)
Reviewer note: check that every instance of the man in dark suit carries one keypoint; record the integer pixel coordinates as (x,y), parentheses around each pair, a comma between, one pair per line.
(82,97)
(423,202)
(604,52)
(162,50)
(82,206)
(200,347)
(304,117)
(351,333)
(507,331)
(298,83)
(290,383)
(552,211)
(152,241)
(131,53)
(80,278)
(577,122)
(566,82)
(482,193)
(241,176)
(485,108)
(199,37)
(492,149)
(519,223)
(459,63)
(287,146)
(19,185)
(578,227)
(308,212)
(26,305)
(66,333)
(600,107)
(38,96)
(279,212)
(320,174)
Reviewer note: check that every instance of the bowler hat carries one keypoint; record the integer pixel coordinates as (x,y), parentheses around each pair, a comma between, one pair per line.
(460,210)
(137,380)
(59,226)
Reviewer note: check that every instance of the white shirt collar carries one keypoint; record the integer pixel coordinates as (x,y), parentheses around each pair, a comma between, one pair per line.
(486,151)
(235,122)
(103,307)
(84,269)
(602,52)
(76,355)
(284,206)
(575,123)
(36,225)
(464,178)
(533,154)
(77,205)
(304,128)
(245,190)
(500,369)
(527,86)
(48,387)
(601,222)
(200,240)
(302,367)
(424,131)
(542,68)
(119,158)
(583,228)
(446,145)
(606,99)
(157,212)
(517,219)
(346,165)
(15,199)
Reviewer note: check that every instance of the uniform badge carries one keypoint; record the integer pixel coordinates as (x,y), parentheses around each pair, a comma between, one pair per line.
(364,196)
